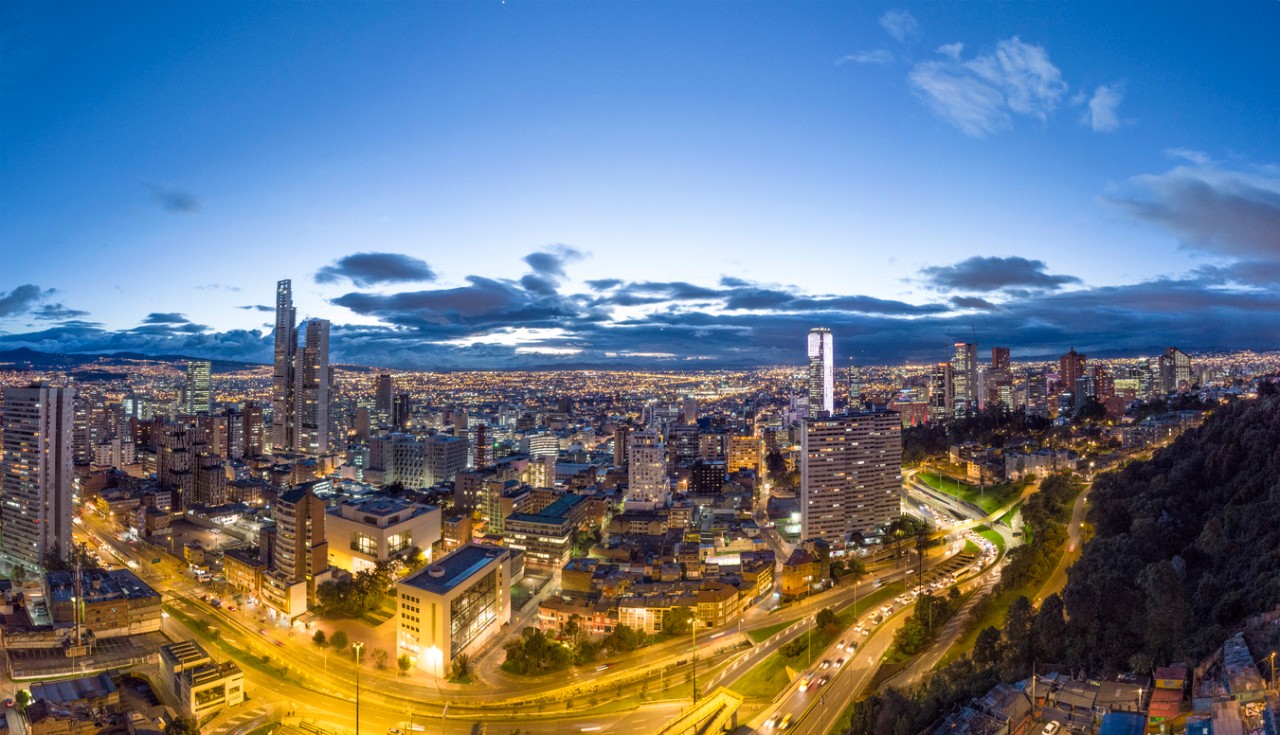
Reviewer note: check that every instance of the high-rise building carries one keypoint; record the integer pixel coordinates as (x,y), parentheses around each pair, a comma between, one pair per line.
(964,379)
(1070,368)
(384,394)
(822,372)
(999,358)
(1037,393)
(282,380)
(255,433)
(647,469)
(850,475)
(36,473)
(401,411)
(311,391)
(997,381)
(300,551)
(1175,370)
(621,438)
(199,398)
(940,398)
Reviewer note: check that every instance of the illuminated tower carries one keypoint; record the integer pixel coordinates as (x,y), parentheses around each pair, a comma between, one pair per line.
(198,387)
(311,391)
(36,473)
(850,474)
(822,373)
(282,379)
(964,379)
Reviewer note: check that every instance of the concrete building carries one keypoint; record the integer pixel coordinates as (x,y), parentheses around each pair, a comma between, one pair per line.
(453,606)
(299,552)
(964,379)
(311,391)
(1175,371)
(647,470)
(850,475)
(414,461)
(282,379)
(199,387)
(822,372)
(36,473)
(546,537)
(108,603)
(362,533)
(202,686)
(746,452)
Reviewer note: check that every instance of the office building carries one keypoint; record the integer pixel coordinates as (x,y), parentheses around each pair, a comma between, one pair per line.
(850,475)
(746,452)
(384,394)
(964,379)
(199,387)
(621,437)
(311,391)
(822,372)
(414,461)
(546,537)
(940,398)
(1175,371)
(36,473)
(997,381)
(282,378)
(202,686)
(362,533)
(647,470)
(453,606)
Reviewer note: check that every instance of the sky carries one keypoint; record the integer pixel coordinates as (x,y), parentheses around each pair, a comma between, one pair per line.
(525,184)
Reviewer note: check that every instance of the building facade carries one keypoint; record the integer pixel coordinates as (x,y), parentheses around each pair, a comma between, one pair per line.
(850,475)
(36,475)
(822,372)
(364,532)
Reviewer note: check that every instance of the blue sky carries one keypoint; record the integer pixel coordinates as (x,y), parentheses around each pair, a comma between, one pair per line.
(492,184)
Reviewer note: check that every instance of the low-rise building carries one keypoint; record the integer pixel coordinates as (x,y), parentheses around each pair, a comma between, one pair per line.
(363,532)
(546,537)
(201,685)
(109,603)
(800,572)
(453,606)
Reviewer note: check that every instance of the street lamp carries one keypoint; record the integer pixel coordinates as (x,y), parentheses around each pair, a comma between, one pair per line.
(358,647)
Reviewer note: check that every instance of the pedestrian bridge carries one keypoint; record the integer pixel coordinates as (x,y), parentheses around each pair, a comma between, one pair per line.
(716,714)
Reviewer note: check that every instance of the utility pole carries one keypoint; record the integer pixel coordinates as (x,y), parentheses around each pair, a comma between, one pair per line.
(693,627)
(358,648)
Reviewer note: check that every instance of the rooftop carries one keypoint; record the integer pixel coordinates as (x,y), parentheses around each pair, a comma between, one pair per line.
(553,514)
(98,585)
(454,569)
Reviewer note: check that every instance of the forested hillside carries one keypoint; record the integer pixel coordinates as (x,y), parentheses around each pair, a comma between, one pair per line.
(1187,545)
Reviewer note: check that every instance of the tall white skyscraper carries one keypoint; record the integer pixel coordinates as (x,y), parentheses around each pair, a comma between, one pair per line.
(646,469)
(199,389)
(282,387)
(822,373)
(850,474)
(36,473)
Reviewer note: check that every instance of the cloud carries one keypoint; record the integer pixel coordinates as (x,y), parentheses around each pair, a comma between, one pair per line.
(157,317)
(174,200)
(980,96)
(258,307)
(878,56)
(1211,209)
(548,269)
(1102,108)
(219,287)
(57,312)
(973,302)
(369,269)
(1196,157)
(987,274)
(20,300)
(900,24)
(604,284)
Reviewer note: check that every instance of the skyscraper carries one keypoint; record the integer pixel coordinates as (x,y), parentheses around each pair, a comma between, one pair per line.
(646,469)
(199,399)
(299,381)
(311,391)
(384,394)
(850,474)
(1070,368)
(997,381)
(964,379)
(940,397)
(282,382)
(1175,370)
(822,372)
(36,473)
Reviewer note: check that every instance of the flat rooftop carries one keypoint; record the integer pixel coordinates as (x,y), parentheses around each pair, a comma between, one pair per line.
(454,569)
(98,585)
(553,514)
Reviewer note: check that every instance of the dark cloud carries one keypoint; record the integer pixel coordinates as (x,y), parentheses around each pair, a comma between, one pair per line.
(972,302)
(988,274)
(1230,213)
(20,300)
(604,284)
(57,312)
(370,269)
(174,200)
(258,307)
(157,317)
(552,262)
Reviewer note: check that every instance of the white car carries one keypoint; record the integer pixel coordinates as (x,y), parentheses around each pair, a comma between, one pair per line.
(1051,728)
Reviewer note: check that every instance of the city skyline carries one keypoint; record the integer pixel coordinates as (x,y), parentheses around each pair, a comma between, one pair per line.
(450,193)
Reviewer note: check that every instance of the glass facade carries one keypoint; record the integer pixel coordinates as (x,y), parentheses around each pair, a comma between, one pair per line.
(472,611)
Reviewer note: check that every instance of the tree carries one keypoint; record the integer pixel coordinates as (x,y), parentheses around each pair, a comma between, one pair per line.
(624,638)
(318,638)
(827,622)
(677,621)
(460,667)
(22,700)
(405,663)
(1049,631)
(182,726)
(339,640)
(1017,637)
(380,658)
(986,650)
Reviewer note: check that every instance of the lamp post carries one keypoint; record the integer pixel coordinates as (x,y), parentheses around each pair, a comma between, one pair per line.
(358,647)
(694,628)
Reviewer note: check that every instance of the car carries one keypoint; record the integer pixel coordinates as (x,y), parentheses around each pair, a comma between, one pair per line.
(823,680)
(393,731)
(1051,728)
(772,722)
(839,662)
(278,642)
(840,645)
(826,663)
(231,608)
(786,722)
(804,683)
(8,703)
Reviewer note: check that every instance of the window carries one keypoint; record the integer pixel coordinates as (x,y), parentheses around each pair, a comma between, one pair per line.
(364,543)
